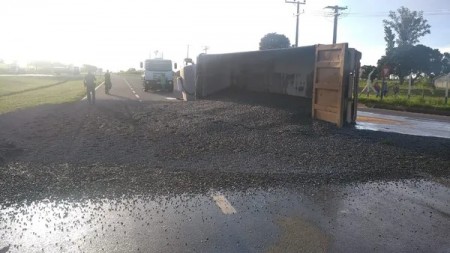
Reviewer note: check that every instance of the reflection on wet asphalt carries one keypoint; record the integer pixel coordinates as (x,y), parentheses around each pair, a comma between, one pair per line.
(400,216)
(419,126)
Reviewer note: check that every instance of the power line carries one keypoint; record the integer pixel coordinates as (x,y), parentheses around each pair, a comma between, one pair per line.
(298,15)
(336,14)
(373,14)
(356,14)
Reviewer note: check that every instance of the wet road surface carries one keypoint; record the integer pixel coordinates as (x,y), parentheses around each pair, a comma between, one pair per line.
(404,123)
(397,216)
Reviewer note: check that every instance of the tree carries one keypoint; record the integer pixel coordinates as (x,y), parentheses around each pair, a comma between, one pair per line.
(131,71)
(274,41)
(408,25)
(420,60)
(427,60)
(389,37)
(399,61)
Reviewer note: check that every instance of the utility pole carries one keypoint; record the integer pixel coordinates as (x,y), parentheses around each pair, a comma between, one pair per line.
(336,14)
(187,59)
(298,15)
(446,88)
(187,54)
(409,84)
(205,49)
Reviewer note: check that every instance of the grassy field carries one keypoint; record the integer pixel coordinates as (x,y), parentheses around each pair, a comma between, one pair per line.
(13,84)
(23,92)
(423,98)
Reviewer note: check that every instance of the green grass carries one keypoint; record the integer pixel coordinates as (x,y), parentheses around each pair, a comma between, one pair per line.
(13,84)
(69,91)
(423,98)
(413,101)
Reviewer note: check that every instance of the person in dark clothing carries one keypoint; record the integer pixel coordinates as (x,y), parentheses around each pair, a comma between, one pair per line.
(89,83)
(377,88)
(396,90)
(108,83)
(384,88)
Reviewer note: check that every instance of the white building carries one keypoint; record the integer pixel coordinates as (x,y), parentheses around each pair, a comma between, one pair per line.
(441,82)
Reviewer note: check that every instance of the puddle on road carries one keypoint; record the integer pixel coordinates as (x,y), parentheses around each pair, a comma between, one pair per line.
(402,125)
(298,235)
(390,216)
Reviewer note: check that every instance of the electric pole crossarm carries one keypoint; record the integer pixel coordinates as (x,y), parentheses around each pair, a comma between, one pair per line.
(298,15)
(336,14)
(295,2)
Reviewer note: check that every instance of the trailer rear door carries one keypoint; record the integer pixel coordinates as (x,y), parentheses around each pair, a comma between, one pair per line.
(328,89)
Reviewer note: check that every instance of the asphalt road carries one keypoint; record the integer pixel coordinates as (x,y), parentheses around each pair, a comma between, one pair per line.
(129,88)
(408,216)
(403,122)
(144,172)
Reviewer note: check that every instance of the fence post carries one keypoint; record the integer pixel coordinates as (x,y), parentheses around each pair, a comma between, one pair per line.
(409,84)
(446,90)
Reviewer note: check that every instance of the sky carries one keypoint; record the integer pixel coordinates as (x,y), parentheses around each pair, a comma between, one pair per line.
(118,34)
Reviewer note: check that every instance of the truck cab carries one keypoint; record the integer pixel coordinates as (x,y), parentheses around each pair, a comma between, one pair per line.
(158,74)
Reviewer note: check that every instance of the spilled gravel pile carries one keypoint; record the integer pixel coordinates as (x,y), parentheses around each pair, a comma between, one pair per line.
(119,146)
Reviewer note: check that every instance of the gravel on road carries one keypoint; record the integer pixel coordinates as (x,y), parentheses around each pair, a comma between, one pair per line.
(236,140)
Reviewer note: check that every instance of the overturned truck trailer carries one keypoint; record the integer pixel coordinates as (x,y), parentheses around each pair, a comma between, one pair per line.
(327,74)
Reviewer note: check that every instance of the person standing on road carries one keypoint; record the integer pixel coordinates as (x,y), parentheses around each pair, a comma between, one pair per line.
(89,83)
(108,84)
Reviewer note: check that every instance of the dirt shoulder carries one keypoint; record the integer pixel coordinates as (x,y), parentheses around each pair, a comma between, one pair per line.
(117,146)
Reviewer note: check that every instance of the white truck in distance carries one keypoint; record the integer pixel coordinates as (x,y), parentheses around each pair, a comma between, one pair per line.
(158,74)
